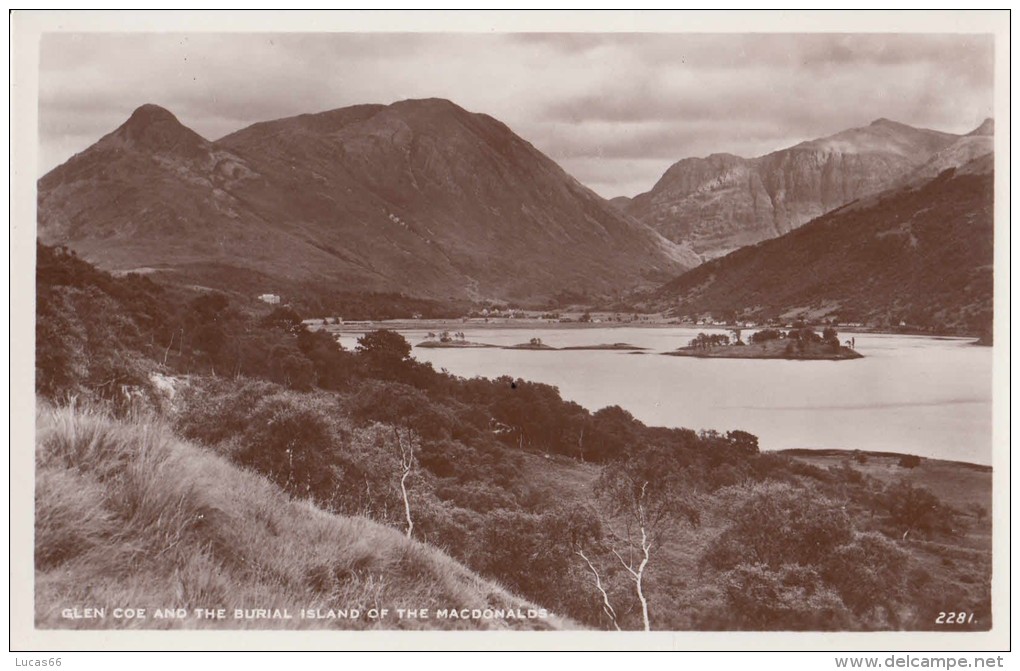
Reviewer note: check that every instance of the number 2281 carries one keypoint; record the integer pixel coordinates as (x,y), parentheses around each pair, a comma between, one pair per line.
(961,617)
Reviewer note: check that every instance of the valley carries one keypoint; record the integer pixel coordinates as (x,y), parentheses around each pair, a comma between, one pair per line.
(393,355)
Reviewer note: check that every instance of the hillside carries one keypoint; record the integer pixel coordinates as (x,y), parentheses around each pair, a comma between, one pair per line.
(420,197)
(722,202)
(919,256)
(128,515)
(259,464)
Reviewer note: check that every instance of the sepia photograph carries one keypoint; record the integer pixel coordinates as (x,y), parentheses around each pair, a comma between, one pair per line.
(343,326)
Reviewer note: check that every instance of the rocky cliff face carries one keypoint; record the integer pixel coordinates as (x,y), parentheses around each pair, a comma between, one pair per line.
(722,202)
(918,254)
(420,196)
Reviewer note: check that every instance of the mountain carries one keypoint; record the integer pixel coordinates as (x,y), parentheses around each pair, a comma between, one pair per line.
(722,202)
(979,142)
(921,256)
(419,196)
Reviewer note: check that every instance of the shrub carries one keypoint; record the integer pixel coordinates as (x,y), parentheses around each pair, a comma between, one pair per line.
(910,461)
(780,524)
(869,574)
(384,347)
(765,335)
(790,597)
(283,317)
(915,509)
(289,442)
(214,410)
(536,555)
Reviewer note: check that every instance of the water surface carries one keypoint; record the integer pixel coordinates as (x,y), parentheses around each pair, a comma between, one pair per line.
(921,395)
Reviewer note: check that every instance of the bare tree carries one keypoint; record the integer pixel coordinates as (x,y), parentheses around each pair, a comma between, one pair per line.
(637,573)
(642,499)
(405,442)
(166,353)
(607,607)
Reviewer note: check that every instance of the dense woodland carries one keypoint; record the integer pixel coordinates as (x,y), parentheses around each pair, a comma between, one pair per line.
(590,514)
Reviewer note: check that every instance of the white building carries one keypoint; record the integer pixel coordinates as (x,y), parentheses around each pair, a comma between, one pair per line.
(272,299)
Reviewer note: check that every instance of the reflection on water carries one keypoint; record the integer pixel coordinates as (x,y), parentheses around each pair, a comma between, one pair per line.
(929,396)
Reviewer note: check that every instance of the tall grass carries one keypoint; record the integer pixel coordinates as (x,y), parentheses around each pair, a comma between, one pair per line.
(127,515)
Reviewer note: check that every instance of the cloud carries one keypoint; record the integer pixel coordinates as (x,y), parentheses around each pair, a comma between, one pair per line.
(614,109)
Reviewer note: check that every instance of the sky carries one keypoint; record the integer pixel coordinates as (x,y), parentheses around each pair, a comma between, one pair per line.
(614,110)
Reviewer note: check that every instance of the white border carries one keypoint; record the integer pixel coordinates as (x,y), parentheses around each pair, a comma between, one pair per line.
(26,28)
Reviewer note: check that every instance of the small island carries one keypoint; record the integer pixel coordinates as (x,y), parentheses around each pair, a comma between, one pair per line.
(796,344)
(459,341)
(455,344)
(452,340)
(618,346)
(534,343)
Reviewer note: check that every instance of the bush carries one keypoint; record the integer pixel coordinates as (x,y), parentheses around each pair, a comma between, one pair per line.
(910,461)
(384,347)
(779,524)
(765,335)
(762,598)
(283,317)
(290,438)
(534,555)
(915,509)
(290,442)
(870,576)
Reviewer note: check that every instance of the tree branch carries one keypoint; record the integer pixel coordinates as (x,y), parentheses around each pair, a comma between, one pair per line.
(606,606)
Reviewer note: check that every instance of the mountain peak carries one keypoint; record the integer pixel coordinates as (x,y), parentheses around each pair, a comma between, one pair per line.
(987,127)
(888,123)
(429,106)
(426,102)
(151,113)
(154,128)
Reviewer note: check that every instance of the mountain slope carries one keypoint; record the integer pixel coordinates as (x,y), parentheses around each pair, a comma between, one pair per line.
(975,144)
(723,202)
(420,196)
(127,515)
(917,255)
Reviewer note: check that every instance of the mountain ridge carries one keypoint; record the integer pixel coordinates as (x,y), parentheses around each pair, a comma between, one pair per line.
(721,202)
(918,256)
(420,196)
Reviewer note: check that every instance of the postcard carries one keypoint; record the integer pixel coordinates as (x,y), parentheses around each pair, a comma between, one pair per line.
(450,330)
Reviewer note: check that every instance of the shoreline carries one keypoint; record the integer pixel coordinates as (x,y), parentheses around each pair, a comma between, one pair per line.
(467,344)
(875,454)
(813,353)
(525,324)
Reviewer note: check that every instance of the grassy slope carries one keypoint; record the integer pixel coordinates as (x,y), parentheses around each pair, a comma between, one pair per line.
(127,515)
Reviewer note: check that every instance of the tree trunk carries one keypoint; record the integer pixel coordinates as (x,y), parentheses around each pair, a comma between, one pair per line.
(645,547)
(407,502)
(607,608)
